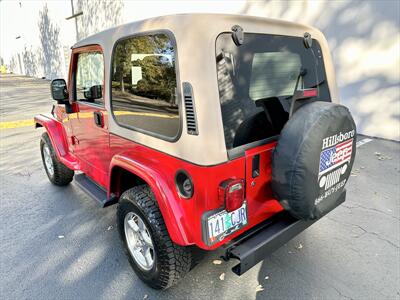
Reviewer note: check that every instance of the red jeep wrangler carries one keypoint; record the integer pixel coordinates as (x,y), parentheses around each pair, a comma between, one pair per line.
(207,130)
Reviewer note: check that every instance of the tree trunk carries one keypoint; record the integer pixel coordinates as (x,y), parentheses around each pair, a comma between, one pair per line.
(122,84)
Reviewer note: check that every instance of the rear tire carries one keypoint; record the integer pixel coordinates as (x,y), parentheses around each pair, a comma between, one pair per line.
(56,171)
(171,262)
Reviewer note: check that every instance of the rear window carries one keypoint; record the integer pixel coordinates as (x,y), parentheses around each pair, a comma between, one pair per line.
(257,80)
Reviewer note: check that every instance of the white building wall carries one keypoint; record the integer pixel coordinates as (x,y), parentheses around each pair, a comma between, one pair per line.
(363,35)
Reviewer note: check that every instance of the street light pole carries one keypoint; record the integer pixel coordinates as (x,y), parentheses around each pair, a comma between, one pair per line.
(76,21)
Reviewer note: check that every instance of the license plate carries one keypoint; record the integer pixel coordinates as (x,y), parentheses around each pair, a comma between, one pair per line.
(225,223)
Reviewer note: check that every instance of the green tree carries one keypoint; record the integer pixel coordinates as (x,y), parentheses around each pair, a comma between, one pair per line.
(154,72)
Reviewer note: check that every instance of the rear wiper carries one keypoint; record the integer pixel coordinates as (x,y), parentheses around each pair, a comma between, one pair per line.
(302,73)
(317,84)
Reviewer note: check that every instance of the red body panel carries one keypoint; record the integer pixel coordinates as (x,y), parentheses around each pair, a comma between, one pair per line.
(58,138)
(183,216)
(91,142)
(259,195)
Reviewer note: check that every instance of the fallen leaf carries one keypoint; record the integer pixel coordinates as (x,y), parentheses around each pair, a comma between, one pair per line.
(380,156)
(222,276)
(217,261)
(259,288)
(60,236)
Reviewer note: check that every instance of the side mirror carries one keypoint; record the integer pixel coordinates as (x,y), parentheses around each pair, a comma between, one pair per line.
(94,92)
(59,90)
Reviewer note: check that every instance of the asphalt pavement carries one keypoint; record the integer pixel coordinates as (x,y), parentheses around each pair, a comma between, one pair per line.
(57,243)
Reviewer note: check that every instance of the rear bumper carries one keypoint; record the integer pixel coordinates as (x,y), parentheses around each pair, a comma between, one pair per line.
(254,245)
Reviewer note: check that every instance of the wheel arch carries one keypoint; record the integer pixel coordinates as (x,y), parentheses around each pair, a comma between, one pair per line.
(122,168)
(55,132)
(58,139)
(122,179)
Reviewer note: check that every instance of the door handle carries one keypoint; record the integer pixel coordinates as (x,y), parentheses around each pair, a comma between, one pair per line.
(98,118)
(255,166)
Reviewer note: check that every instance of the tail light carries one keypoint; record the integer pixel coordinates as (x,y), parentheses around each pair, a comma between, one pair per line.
(308,93)
(231,193)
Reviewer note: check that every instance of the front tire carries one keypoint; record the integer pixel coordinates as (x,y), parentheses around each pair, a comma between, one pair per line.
(166,262)
(56,171)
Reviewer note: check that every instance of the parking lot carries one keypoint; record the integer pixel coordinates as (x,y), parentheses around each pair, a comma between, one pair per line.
(58,243)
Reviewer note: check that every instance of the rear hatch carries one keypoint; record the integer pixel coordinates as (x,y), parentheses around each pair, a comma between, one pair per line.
(257,81)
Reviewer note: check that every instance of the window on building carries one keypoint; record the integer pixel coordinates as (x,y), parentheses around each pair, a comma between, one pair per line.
(144,85)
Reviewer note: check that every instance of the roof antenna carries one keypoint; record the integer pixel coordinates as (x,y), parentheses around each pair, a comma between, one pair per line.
(237,35)
(307,39)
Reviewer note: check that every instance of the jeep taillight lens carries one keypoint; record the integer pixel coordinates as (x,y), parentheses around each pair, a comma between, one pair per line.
(308,93)
(231,193)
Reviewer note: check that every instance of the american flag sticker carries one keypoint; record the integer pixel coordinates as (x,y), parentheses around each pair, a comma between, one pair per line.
(335,156)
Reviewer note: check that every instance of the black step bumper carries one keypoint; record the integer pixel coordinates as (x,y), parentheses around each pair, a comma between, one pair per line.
(255,244)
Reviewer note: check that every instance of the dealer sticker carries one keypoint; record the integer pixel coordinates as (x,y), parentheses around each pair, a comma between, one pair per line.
(335,155)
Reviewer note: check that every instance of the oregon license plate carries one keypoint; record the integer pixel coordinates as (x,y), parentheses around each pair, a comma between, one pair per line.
(225,223)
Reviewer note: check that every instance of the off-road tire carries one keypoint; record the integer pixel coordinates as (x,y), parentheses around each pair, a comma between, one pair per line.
(172,261)
(62,174)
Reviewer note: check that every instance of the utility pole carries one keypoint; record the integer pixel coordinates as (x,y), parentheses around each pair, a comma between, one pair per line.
(74,16)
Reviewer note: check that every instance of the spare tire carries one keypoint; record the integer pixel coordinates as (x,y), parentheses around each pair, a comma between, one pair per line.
(313,159)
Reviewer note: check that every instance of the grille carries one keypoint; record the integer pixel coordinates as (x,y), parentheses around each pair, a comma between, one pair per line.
(333,178)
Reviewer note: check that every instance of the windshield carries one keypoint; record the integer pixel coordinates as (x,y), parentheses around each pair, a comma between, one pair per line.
(258,79)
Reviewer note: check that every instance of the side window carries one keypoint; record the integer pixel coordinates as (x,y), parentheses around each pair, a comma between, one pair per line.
(144,85)
(90,77)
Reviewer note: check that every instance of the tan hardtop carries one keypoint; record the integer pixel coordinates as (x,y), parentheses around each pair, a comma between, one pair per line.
(195,37)
(196,21)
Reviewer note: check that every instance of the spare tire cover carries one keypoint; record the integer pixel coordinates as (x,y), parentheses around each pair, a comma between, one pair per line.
(313,159)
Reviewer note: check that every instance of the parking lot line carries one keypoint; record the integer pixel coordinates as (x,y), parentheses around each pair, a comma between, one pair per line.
(16,124)
(363,141)
(30,122)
